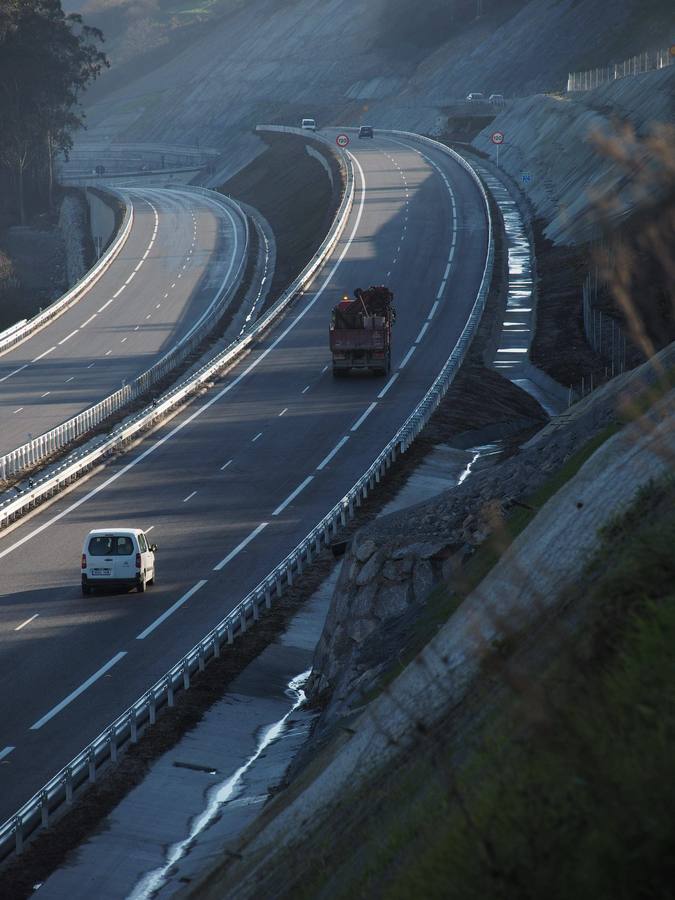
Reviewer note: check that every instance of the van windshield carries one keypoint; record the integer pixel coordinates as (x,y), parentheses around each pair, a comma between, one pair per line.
(110,545)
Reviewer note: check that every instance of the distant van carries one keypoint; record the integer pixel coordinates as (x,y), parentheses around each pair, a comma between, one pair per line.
(117,557)
(309,124)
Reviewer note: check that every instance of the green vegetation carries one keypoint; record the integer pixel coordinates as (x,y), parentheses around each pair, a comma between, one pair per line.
(567,787)
(46,61)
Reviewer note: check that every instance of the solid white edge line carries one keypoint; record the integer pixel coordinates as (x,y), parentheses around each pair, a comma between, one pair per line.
(363,417)
(172,609)
(406,358)
(76,693)
(209,403)
(387,386)
(230,556)
(27,622)
(291,497)
(340,444)
(6,752)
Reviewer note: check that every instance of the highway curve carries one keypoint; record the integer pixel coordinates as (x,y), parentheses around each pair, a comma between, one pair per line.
(234,482)
(181,249)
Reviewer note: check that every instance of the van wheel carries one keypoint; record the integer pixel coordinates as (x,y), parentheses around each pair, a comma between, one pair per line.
(151,580)
(86,590)
(141,585)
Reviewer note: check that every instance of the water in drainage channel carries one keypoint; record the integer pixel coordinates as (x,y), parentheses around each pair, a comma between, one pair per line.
(208,788)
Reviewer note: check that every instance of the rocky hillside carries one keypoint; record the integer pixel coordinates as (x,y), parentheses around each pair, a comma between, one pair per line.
(266,61)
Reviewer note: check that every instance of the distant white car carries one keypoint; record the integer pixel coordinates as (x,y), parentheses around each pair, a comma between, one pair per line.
(308,124)
(475,97)
(117,557)
(366,131)
(497,99)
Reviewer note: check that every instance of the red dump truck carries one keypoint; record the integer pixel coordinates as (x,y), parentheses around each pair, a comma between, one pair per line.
(360,331)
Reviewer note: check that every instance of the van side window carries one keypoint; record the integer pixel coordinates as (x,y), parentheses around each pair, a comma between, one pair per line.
(142,543)
(125,546)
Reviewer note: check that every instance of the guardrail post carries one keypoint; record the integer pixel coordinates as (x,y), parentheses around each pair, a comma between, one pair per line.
(186,675)
(351,507)
(289,573)
(133,726)
(152,708)
(44,809)
(68,783)
(230,633)
(169,691)
(268,595)
(92,765)
(278,585)
(112,744)
(18,834)
(256,611)
(200,658)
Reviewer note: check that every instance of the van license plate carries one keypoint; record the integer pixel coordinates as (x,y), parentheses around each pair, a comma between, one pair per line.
(100,571)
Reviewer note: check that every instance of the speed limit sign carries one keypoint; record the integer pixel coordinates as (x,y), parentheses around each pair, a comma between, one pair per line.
(498,137)
(342,140)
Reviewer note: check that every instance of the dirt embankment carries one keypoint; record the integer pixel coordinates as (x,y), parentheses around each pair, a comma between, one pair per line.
(293,192)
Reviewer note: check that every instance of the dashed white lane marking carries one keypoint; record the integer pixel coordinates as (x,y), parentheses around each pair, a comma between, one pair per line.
(90,319)
(173,285)
(105,305)
(46,394)
(228,463)
(149,528)
(91,365)
(363,417)
(441,290)
(406,358)
(325,369)
(257,437)
(68,337)
(27,622)
(138,266)
(387,386)
(340,444)
(432,313)
(189,497)
(166,295)
(137,327)
(305,389)
(18,410)
(231,555)
(158,306)
(123,340)
(284,410)
(68,380)
(16,371)
(148,315)
(291,497)
(108,352)
(130,278)
(171,610)
(41,356)
(118,292)
(423,331)
(6,751)
(76,693)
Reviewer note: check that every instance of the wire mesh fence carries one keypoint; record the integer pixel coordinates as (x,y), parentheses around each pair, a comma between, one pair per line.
(649,61)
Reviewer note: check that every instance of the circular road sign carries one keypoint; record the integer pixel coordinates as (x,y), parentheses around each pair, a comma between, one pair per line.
(498,137)
(342,140)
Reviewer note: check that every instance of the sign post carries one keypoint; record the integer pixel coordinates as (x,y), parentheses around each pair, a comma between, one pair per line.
(498,140)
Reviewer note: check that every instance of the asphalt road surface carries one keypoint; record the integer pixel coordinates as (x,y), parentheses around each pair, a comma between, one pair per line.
(233,483)
(181,249)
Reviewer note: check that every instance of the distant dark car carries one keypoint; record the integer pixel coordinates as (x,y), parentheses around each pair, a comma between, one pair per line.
(366,131)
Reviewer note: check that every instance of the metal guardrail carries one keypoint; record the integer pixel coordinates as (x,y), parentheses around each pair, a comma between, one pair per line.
(39,448)
(126,728)
(54,310)
(80,462)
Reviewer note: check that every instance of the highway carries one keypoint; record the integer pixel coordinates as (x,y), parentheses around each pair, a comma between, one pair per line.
(181,249)
(230,485)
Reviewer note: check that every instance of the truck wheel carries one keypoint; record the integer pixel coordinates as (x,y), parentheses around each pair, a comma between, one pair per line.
(339,373)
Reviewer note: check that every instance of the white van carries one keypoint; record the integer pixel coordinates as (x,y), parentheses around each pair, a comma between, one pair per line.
(117,557)
(308,124)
